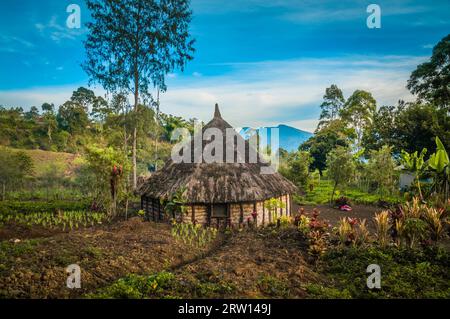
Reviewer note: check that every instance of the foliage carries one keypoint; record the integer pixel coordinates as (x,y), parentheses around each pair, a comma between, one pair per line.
(303,225)
(295,167)
(416,164)
(12,207)
(273,286)
(175,206)
(108,166)
(340,167)
(136,287)
(380,170)
(382,228)
(431,80)
(352,231)
(358,112)
(333,101)
(272,205)
(194,235)
(343,200)
(439,163)
(405,273)
(334,133)
(65,220)
(133,45)
(320,194)
(15,167)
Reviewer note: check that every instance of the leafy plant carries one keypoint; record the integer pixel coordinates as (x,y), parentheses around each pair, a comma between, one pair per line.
(382,227)
(415,230)
(194,235)
(416,164)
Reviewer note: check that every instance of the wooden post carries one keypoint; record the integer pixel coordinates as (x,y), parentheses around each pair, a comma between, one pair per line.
(281,208)
(254,210)
(264,214)
(228,220)
(241,216)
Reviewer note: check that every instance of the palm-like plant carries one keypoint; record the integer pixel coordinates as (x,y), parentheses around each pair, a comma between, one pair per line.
(439,163)
(415,163)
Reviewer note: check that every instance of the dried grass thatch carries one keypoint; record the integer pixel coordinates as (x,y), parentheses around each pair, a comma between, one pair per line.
(217,182)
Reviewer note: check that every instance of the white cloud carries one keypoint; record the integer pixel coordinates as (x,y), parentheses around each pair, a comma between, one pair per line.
(273,92)
(37,96)
(58,32)
(264,93)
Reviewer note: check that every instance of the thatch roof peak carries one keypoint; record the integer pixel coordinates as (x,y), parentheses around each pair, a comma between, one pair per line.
(217,112)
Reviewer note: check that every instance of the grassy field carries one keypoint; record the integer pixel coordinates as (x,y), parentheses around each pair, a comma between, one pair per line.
(321,194)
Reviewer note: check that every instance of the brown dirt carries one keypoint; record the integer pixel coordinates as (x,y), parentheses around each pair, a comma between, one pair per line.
(247,261)
(251,260)
(103,253)
(333,215)
(15,231)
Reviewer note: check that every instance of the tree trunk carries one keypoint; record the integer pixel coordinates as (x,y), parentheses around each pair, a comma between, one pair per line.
(332,194)
(136,100)
(3,191)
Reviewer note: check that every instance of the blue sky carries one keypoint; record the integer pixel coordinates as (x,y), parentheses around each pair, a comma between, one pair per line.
(264,62)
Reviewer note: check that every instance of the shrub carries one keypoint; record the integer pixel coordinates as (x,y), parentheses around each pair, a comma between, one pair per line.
(415,230)
(303,225)
(342,201)
(382,227)
(136,287)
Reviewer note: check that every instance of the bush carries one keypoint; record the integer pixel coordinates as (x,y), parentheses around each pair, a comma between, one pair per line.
(342,201)
(405,273)
(136,287)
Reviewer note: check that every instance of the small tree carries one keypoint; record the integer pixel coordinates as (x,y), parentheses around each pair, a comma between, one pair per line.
(15,166)
(416,164)
(340,167)
(109,166)
(295,167)
(380,170)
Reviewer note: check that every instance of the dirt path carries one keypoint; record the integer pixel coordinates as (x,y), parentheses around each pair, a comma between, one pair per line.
(333,215)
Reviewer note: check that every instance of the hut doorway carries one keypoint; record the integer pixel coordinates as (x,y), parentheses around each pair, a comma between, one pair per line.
(219,215)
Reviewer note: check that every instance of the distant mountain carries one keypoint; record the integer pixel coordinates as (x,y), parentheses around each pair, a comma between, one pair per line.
(290,137)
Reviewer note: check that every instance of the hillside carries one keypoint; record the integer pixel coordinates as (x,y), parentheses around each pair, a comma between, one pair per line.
(42,160)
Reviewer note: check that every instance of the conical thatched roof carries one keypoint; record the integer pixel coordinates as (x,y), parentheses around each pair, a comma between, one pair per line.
(217,182)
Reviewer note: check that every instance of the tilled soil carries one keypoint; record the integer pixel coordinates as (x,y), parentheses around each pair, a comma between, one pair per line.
(333,215)
(255,263)
(104,254)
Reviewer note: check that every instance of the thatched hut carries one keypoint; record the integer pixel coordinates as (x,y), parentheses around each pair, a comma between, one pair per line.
(219,193)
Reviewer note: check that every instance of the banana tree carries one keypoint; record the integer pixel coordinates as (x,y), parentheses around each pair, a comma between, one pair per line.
(176,204)
(439,163)
(416,164)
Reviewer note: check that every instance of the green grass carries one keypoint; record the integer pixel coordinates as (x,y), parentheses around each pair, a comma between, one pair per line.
(7,207)
(165,285)
(404,273)
(322,192)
